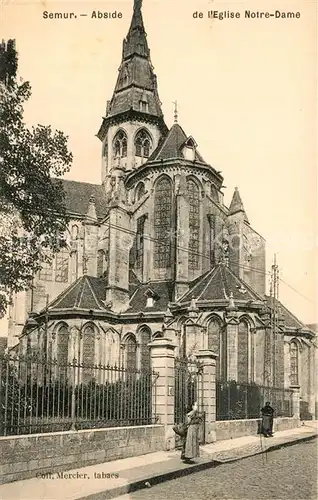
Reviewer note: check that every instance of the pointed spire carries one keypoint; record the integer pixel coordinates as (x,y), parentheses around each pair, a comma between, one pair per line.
(136,89)
(237,205)
(136,40)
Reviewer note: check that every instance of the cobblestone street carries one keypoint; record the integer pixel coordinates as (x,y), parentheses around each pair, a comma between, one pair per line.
(288,473)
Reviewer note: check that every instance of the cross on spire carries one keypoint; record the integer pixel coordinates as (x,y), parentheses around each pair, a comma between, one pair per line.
(175,111)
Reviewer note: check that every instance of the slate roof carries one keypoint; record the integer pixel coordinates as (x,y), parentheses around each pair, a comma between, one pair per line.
(290,319)
(161,289)
(218,284)
(171,146)
(86,293)
(78,194)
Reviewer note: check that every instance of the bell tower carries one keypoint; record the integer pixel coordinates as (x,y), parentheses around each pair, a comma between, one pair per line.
(133,122)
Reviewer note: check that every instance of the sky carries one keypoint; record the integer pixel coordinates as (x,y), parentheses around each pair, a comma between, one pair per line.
(246,92)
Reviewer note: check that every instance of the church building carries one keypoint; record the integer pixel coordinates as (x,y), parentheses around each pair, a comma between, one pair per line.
(153,251)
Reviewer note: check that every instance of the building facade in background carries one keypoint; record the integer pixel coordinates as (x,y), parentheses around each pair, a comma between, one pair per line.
(154,251)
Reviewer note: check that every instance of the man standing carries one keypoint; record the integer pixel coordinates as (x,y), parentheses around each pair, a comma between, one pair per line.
(267,419)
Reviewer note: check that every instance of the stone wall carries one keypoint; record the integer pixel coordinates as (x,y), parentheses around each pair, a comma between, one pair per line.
(22,457)
(230,429)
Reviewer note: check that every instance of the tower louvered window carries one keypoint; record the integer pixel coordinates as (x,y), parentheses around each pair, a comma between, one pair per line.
(143,144)
(120,145)
(163,221)
(194,224)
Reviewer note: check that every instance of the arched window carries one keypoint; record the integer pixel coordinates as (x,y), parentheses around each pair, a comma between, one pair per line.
(242,352)
(74,232)
(216,344)
(62,266)
(74,266)
(100,263)
(143,144)
(120,144)
(46,271)
(294,364)
(145,338)
(194,223)
(88,354)
(140,243)
(163,222)
(105,154)
(62,351)
(131,353)
(140,191)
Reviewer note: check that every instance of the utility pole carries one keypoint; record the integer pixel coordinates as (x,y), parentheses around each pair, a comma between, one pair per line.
(274,289)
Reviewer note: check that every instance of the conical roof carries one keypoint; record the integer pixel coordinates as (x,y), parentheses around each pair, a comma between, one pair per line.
(236,205)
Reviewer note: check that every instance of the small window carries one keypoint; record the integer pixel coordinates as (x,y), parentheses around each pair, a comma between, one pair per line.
(143,106)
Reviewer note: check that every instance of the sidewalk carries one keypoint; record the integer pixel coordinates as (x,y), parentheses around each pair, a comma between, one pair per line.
(89,484)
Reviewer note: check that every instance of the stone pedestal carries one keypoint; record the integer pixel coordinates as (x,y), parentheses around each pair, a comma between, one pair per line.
(208,358)
(296,400)
(162,359)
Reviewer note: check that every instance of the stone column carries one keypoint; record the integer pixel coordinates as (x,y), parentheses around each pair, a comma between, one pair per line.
(182,232)
(296,400)
(232,342)
(208,358)
(162,359)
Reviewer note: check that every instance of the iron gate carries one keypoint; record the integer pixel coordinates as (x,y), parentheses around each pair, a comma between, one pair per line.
(188,390)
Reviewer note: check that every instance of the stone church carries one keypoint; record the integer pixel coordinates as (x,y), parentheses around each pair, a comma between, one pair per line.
(154,251)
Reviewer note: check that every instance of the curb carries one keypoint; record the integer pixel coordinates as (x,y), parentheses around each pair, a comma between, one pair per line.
(152,480)
(174,474)
(272,447)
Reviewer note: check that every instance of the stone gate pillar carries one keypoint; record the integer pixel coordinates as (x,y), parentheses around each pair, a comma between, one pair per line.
(296,400)
(162,359)
(208,359)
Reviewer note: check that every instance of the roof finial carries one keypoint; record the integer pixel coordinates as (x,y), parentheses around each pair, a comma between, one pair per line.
(175,111)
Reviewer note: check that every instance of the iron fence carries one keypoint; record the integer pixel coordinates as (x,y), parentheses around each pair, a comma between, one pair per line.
(37,395)
(243,401)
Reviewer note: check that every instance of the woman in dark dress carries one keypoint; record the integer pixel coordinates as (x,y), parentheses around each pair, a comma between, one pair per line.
(192,447)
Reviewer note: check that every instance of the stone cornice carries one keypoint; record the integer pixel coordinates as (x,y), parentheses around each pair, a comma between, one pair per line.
(127,116)
(176,165)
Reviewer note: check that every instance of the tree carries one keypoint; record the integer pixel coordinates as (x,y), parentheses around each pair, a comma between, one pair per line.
(32,205)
